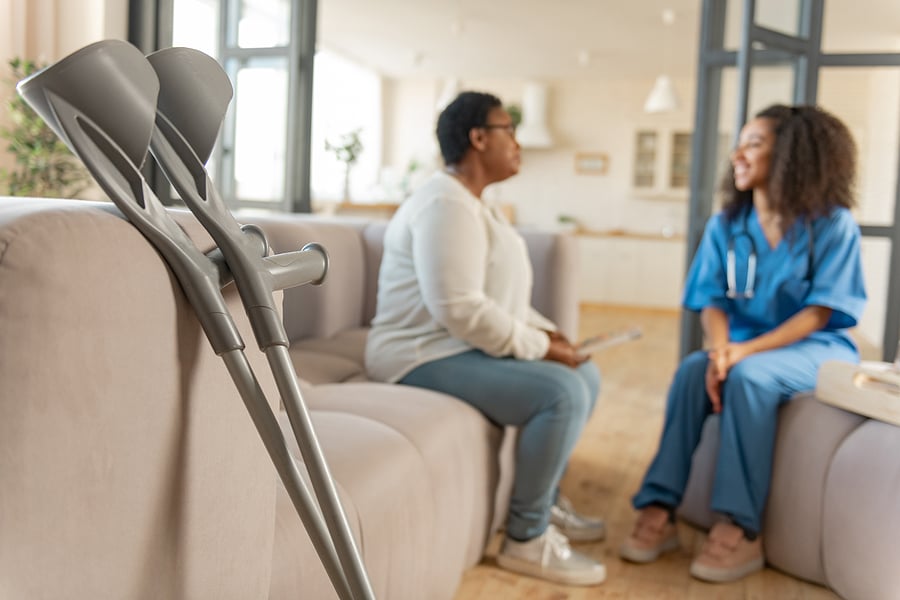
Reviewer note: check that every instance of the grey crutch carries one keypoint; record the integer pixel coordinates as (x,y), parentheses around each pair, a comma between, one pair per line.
(109,105)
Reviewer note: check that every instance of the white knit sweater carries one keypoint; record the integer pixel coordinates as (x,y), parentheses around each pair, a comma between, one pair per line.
(455,276)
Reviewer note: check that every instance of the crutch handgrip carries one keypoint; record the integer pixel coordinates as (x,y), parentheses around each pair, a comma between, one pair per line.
(290,269)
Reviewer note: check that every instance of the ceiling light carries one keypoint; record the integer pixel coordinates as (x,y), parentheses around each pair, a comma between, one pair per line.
(663,97)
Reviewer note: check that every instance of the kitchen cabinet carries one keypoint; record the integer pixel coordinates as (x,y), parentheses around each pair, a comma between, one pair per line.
(631,269)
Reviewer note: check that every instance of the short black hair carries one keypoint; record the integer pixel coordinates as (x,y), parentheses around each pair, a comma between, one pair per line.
(467,111)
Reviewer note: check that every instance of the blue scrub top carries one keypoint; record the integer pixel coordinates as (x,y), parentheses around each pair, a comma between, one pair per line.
(783,284)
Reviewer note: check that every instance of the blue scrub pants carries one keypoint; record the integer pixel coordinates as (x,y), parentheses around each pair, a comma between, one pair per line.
(753,392)
(549,403)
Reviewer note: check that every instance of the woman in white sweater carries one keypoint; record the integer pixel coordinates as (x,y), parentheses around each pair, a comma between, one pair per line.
(454,315)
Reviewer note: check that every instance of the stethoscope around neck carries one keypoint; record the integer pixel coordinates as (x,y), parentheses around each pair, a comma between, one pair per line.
(732,291)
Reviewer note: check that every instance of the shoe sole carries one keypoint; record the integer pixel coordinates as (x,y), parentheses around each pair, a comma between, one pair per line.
(648,555)
(720,575)
(524,567)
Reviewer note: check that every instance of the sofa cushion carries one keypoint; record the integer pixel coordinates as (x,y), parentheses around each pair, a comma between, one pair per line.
(129,465)
(331,360)
(809,435)
(860,524)
(349,344)
(453,477)
(460,448)
(316,368)
(387,499)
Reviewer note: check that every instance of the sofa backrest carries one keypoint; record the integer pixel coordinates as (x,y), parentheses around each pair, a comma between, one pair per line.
(129,467)
(346,300)
(373,239)
(554,260)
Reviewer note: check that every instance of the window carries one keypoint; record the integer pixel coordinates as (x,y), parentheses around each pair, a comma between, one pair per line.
(195,24)
(260,123)
(346,98)
(261,159)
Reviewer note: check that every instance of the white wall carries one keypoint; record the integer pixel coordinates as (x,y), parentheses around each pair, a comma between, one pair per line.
(584,116)
(603,116)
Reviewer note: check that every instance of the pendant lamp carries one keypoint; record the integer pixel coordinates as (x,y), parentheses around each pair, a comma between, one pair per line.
(663,97)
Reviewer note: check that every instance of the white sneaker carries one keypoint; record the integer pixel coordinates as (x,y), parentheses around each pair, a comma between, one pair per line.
(578,528)
(549,557)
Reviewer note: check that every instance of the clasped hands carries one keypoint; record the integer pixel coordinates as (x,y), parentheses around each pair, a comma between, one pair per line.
(721,360)
(561,350)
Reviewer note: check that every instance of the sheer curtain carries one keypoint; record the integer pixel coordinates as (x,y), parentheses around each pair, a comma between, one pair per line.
(47,30)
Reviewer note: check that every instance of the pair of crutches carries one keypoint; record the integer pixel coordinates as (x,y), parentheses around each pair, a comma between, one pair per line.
(110,104)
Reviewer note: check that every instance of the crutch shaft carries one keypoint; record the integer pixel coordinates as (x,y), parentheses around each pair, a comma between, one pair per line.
(319,475)
(273,439)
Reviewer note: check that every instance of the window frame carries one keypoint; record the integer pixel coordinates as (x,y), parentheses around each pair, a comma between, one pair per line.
(150,28)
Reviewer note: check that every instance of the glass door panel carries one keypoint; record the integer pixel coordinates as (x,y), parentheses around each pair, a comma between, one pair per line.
(871,26)
(195,24)
(779,15)
(869,332)
(734,14)
(263,23)
(867,100)
(770,85)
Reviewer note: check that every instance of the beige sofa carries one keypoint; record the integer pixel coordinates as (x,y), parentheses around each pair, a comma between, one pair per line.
(129,468)
(833,512)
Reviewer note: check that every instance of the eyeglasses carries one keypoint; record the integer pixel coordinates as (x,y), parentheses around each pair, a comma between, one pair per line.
(509,128)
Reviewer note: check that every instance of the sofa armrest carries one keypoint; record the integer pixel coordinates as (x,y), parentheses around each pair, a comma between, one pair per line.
(871,389)
(554,259)
(129,467)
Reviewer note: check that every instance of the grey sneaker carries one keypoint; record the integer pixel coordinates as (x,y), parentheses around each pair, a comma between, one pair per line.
(549,557)
(653,535)
(576,527)
(727,555)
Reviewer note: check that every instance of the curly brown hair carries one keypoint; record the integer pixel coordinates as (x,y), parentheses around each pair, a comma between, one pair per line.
(813,166)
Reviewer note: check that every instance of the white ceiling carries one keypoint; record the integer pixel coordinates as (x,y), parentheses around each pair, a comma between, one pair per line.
(543,39)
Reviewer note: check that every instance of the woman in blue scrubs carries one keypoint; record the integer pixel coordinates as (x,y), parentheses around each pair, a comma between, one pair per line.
(777,281)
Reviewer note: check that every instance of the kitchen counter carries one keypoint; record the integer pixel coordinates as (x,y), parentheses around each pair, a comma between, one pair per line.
(631,235)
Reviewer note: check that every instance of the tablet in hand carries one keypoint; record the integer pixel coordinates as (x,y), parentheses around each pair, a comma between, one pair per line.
(607,340)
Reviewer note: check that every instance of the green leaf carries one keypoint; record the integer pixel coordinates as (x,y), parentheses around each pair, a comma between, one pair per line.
(44,165)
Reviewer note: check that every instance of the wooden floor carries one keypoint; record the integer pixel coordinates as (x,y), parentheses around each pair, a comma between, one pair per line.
(605,471)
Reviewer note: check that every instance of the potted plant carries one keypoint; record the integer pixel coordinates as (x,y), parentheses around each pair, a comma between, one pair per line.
(346,149)
(515,113)
(568,223)
(44,166)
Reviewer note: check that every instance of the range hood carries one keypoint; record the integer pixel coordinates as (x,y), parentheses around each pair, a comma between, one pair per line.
(532,131)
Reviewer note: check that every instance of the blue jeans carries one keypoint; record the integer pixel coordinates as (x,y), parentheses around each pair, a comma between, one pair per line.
(549,403)
(752,393)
